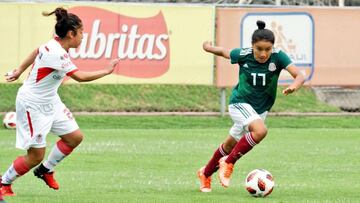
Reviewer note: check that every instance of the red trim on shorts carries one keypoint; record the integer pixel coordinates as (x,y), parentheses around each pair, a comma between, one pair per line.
(30,124)
(43,72)
(71,72)
(20,166)
(64,148)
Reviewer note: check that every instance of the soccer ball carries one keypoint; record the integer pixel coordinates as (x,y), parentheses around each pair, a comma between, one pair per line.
(259,183)
(9,120)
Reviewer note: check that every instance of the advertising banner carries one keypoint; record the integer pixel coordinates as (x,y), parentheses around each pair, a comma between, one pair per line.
(318,40)
(159,44)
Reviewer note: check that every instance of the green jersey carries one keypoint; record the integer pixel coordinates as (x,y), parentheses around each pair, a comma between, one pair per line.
(257,81)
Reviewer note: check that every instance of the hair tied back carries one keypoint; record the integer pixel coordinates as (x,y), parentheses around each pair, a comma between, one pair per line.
(260,24)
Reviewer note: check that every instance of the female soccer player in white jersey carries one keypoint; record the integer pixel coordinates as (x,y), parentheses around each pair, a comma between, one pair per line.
(39,109)
(250,101)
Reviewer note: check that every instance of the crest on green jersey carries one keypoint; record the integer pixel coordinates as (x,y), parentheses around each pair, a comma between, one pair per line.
(272,67)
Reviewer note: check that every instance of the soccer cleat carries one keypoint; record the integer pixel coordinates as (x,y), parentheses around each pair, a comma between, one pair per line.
(225,171)
(205,182)
(6,190)
(48,178)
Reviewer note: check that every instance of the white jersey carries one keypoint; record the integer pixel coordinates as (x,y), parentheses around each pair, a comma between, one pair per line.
(49,69)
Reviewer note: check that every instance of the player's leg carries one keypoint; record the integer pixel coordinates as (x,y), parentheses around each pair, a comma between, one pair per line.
(32,127)
(62,149)
(70,137)
(245,118)
(205,172)
(257,132)
(19,167)
(223,150)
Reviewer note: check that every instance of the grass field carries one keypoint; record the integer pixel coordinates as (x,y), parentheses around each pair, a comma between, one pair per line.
(154,98)
(154,159)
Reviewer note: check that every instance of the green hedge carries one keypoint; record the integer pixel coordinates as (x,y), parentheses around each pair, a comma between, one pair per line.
(159,98)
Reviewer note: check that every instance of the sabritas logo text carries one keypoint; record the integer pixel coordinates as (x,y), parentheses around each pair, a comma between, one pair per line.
(142,44)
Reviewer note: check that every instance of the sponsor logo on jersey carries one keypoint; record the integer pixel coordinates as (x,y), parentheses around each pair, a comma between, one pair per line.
(245,65)
(142,44)
(272,67)
(57,77)
(66,64)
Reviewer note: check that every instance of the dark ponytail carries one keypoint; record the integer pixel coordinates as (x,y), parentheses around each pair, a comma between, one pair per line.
(64,21)
(262,34)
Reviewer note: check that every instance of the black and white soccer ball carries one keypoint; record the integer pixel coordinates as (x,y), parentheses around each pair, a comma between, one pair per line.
(259,183)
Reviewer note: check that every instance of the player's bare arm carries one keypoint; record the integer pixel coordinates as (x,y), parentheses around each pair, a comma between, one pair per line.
(219,51)
(82,76)
(15,74)
(298,80)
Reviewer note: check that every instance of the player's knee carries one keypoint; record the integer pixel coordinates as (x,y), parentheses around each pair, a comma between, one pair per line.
(259,134)
(77,140)
(74,139)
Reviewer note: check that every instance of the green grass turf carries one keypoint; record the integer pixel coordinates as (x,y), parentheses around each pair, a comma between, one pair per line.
(138,163)
(154,98)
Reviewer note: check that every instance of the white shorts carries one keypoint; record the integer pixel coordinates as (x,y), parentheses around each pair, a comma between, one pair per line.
(35,121)
(242,115)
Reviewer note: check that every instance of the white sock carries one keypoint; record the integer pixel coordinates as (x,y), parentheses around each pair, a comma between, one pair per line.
(57,154)
(10,175)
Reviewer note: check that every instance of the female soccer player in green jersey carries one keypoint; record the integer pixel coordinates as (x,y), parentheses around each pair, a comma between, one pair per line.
(251,99)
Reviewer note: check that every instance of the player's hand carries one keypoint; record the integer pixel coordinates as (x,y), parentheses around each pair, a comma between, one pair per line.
(113,63)
(288,90)
(12,75)
(207,45)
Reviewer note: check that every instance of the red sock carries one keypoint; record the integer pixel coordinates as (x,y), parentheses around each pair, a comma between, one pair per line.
(20,166)
(213,164)
(1,197)
(245,144)
(16,169)
(63,147)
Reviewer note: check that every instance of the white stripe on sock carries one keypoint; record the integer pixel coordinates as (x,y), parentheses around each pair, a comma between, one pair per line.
(249,139)
(222,151)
